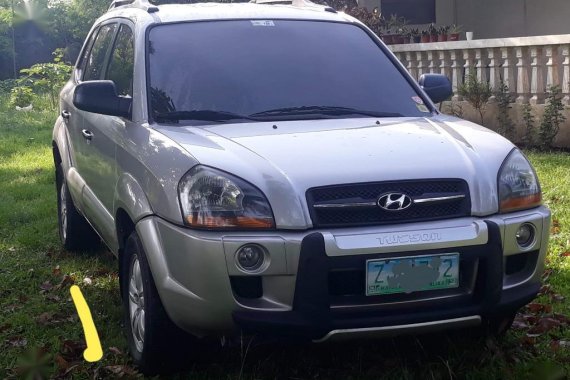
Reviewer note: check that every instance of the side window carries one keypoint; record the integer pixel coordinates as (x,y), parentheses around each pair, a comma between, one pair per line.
(96,59)
(121,63)
(85,53)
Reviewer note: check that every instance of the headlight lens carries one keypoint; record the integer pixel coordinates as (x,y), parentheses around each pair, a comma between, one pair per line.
(211,198)
(518,185)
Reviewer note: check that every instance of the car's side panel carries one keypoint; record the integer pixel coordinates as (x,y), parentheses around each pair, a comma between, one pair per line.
(100,218)
(154,165)
(75,184)
(130,196)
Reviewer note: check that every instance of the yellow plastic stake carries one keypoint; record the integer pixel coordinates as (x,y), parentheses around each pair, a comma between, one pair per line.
(94,351)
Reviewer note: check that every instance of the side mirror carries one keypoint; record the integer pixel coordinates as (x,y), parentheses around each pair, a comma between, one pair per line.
(436,86)
(100,96)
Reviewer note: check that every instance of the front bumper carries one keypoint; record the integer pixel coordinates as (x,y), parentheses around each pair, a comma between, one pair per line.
(313,286)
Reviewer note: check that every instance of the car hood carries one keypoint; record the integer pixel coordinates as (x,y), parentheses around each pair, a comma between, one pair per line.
(285,159)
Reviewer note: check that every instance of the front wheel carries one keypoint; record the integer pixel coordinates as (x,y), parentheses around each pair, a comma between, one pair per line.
(499,325)
(155,343)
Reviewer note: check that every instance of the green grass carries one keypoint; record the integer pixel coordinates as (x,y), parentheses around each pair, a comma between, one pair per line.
(41,334)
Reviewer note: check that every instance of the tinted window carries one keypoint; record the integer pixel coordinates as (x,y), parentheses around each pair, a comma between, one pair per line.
(120,68)
(85,53)
(246,67)
(96,59)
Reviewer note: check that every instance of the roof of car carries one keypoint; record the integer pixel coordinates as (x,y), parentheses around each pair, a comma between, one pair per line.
(226,11)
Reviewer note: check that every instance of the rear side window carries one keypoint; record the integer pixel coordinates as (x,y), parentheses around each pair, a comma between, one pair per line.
(98,53)
(120,69)
(85,54)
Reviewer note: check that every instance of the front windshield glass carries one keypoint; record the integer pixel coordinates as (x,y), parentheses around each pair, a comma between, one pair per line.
(273,70)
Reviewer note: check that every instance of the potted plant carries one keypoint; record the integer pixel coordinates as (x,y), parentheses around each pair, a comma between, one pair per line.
(406,36)
(425,36)
(415,35)
(393,25)
(455,32)
(433,33)
(443,33)
(400,36)
(401,30)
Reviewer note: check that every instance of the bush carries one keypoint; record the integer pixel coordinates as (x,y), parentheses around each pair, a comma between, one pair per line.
(504,99)
(529,135)
(47,78)
(477,93)
(7,85)
(553,117)
(21,96)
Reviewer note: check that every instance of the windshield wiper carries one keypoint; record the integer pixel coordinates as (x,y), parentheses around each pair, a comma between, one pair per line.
(206,115)
(324,110)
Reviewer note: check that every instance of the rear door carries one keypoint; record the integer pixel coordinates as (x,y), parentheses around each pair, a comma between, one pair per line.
(94,154)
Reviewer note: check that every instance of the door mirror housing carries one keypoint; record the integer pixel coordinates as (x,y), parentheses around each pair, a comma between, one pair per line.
(436,86)
(100,96)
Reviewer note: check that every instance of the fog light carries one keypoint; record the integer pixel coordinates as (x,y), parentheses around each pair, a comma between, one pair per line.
(250,257)
(525,235)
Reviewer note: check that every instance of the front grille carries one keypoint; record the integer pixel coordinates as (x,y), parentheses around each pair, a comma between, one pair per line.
(364,197)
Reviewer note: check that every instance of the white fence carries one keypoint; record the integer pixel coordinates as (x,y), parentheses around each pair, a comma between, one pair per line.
(528,65)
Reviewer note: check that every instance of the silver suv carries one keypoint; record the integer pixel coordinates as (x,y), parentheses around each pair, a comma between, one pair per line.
(273,169)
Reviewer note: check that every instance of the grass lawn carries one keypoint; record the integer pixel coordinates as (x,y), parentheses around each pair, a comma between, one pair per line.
(40,333)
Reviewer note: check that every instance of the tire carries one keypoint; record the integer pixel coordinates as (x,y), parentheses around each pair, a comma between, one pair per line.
(74,231)
(498,325)
(156,344)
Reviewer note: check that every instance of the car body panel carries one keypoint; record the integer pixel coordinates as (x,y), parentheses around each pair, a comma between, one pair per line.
(274,159)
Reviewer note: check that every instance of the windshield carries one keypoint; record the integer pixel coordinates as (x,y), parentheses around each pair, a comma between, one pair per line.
(273,70)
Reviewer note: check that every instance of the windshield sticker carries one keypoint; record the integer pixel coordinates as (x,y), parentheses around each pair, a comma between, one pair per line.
(422,108)
(417,99)
(262,23)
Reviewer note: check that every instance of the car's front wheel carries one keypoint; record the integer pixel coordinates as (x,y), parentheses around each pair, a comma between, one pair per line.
(499,325)
(74,231)
(155,343)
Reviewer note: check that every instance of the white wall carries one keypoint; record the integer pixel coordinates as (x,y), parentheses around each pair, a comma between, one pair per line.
(506,18)
(501,18)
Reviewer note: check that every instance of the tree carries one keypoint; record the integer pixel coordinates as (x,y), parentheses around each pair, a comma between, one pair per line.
(553,117)
(477,93)
(504,99)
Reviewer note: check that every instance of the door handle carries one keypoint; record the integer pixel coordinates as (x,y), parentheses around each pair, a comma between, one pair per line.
(87,135)
(65,114)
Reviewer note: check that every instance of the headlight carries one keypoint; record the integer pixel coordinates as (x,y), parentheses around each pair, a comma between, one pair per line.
(518,185)
(211,198)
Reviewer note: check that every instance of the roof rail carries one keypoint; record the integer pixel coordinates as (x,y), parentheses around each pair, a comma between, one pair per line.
(145,5)
(296,3)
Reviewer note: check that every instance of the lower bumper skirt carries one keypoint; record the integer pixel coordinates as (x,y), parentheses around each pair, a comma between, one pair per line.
(313,317)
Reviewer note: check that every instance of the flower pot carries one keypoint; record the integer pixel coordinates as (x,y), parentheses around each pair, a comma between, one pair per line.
(406,40)
(425,39)
(433,38)
(469,36)
(388,39)
(417,39)
(398,39)
(442,38)
(454,37)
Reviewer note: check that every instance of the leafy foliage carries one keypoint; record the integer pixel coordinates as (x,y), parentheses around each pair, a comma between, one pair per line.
(7,85)
(21,96)
(553,117)
(529,136)
(504,100)
(47,78)
(476,92)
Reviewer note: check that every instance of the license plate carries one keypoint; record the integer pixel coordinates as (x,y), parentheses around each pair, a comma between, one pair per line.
(412,274)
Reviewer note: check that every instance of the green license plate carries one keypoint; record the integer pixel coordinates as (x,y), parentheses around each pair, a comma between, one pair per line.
(412,274)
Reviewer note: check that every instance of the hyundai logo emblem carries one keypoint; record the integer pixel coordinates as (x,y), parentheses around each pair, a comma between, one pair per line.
(394,201)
